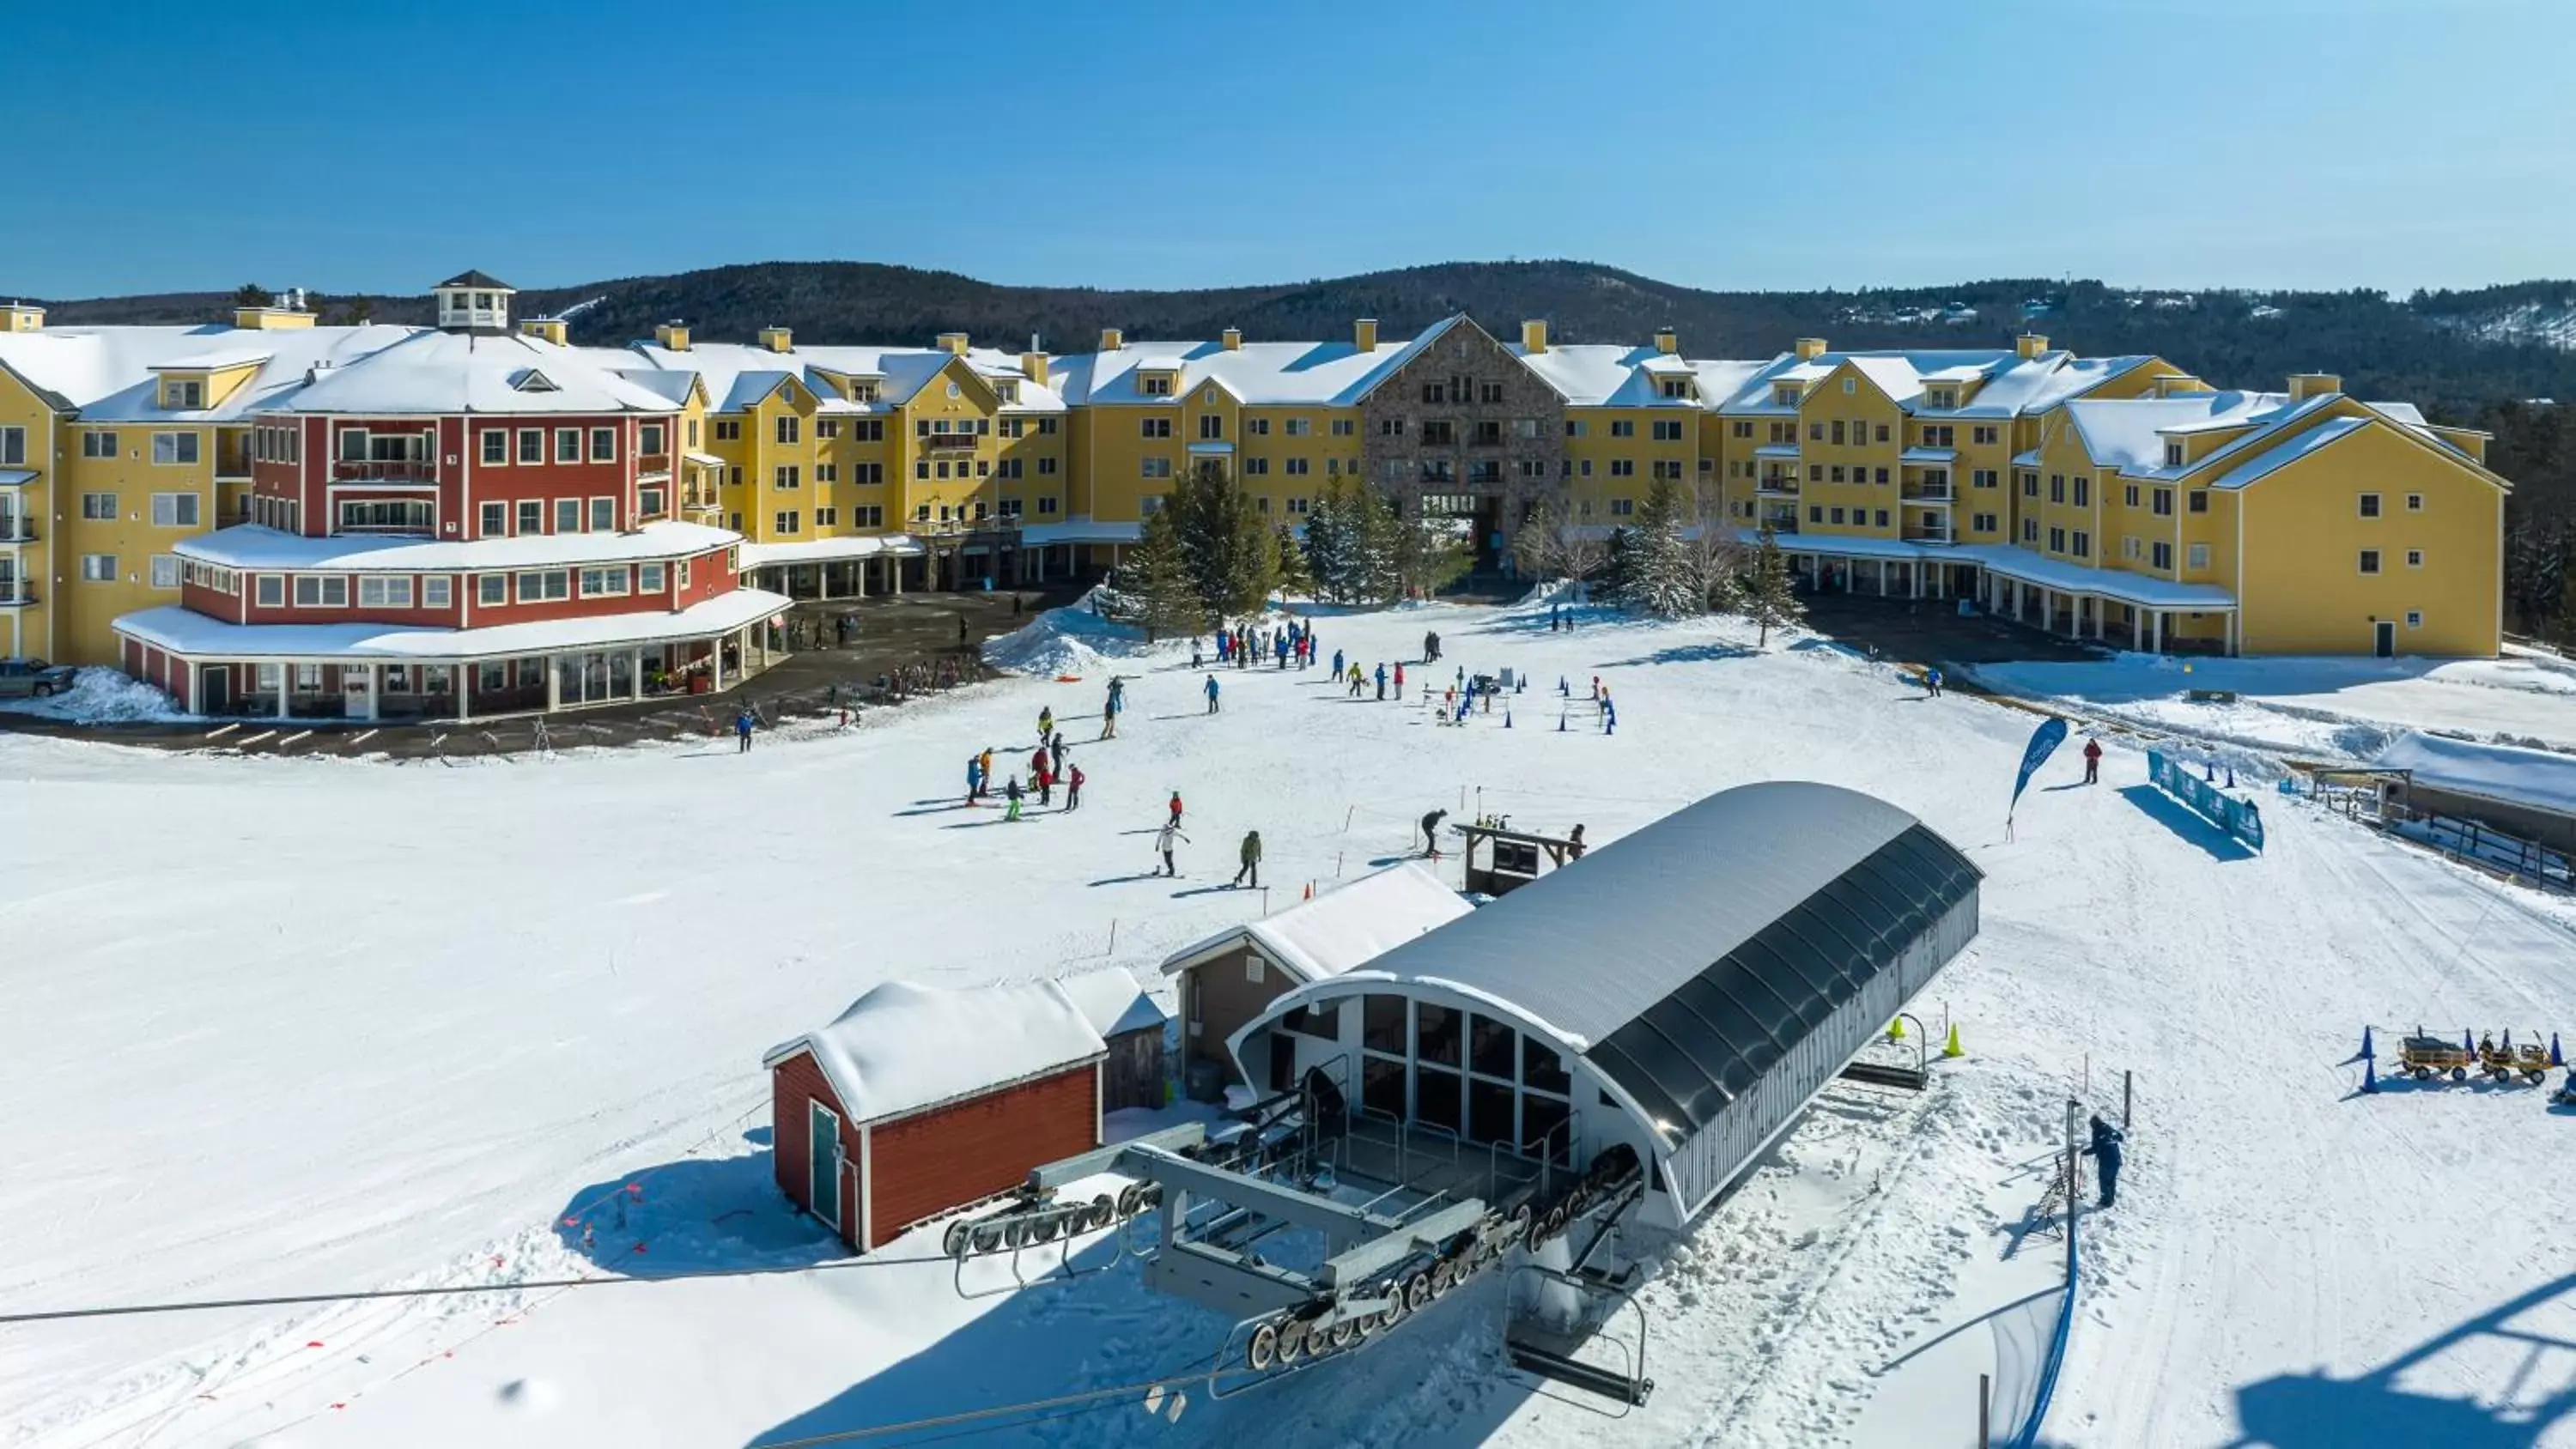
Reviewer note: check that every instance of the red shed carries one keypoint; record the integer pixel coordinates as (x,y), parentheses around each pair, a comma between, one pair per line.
(918,1100)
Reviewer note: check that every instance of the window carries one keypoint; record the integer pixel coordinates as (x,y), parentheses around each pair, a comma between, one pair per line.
(2129,495)
(1623,507)
(1668,430)
(567,445)
(269,592)
(543,585)
(1815,432)
(2030,530)
(648,578)
(2370,560)
(785,520)
(532,516)
(2414,502)
(2083,491)
(1981,522)
(1155,427)
(1297,467)
(606,581)
(437,591)
(1155,384)
(491,588)
(2160,556)
(1834,474)
(321,591)
(2057,540)
(2173,455)
(2199,556)
(1816,514)
(532,445)
(2414,558)
(567,515)
(183,394)
(1212,425)
(784,476)
(174,449)
(1882,516)
(384,591)
(2199,500)
(2370,505)
(13,447)
(787,428)
(408,515)
(603,445)
(165,571)
(98,568)
(1256,467)
(728,430)
(872,515)
(496,520)
(97,444)
(603,515)
(827,427)
(2056,487)
(2030,485)
(1342,427)
(496,447)
(174,510)
(1982,478)
(1983,436)
(650,440)
(1158,467)
(2164,503)
(2414,618)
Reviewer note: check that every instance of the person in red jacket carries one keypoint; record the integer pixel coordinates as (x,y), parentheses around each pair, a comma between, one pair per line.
(2092,762)
(1176,809)
(1073,788)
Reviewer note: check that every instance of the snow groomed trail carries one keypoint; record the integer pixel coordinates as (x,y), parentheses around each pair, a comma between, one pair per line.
(295,1026)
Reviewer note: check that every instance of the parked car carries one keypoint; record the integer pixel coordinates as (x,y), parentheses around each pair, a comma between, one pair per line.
(22,677)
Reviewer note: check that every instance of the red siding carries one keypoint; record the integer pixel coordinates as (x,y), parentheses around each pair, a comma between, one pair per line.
(928,1164)
(709,578)
(792,1084)
(513,481)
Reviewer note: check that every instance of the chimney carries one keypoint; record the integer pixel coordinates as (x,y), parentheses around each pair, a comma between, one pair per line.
(1810,348)
(1667,341)
(1364,334)
(953,343)
(1534,336)
(1111,339)
(286,314)
(777,339)
(21,317)
(672,335)
(2305,385)
(2178,384)
(546,329)
(1233,339)
(1034,364)
(2029,345)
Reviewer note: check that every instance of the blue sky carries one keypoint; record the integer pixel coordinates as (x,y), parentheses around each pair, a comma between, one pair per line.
(2262,143)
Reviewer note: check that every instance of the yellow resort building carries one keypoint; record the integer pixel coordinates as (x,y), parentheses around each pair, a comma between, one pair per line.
(2117,499)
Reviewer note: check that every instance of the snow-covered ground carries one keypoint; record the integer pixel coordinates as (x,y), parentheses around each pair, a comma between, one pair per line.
(2338,710)
(102,696)
(273,1026)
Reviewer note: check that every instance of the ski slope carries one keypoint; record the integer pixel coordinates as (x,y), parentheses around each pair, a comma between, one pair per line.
(279,1026)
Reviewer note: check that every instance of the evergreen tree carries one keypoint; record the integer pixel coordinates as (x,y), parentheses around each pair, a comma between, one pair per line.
(1430,555)
(252,294)
(1718,561)
(1327,546)
(1290,572)
(1660,578)
(1157,578)
(1232,558)
(1376,565)
(1771,598)
(1615,566)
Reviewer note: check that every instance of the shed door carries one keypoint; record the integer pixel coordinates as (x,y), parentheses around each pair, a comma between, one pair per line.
(823,1165)
(2383,638)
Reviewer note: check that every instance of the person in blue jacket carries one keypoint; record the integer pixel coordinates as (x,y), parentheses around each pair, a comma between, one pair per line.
(2105,1152)
(1211,694)
(742,730)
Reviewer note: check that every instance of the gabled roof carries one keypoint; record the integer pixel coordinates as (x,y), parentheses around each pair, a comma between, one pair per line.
(2009,385)
(484,280)
(1113,1002)
(904,1048)
(1259,374)
(441,373)
(106,374)
(1594,374)
(2128,433)
(738,375)
(1341,929)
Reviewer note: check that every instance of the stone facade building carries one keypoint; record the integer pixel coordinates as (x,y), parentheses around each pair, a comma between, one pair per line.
(1464,429)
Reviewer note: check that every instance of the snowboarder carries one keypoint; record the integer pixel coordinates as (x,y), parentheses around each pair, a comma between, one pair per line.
(1574,844)
(1211,694)
(1073,790)
(742,723)
(2105,1152)
(1431,833)
(1011,793)
(1164,837)
(2092,762)
(1381,681)
(1176,809)
(1251,859)
(1046,723)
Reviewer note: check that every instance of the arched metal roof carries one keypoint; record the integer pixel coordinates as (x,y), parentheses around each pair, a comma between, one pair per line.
(1686,959)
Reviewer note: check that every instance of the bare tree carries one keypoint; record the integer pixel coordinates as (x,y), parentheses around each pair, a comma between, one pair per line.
(1718,559)
(1550,545)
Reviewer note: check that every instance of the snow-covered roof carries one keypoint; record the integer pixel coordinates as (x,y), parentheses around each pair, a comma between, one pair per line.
(1082,529)
(442,373)
(1112,1001)
(185,631)
(2014,562)
(2128,433)
(904,1048)
(107,374)
(739,374)
(1259,374)
(1595,374)
(2535,779)
(2008,384)
(252,546)
(2281,455)
(217,359)
(1341,929)
(828,550)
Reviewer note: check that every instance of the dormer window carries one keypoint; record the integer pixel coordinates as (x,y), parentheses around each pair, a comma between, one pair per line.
(1786,394)
(865,392)
(1008,392)
(1677,387)
(1942,397)
(183,395)
(534,381)
(1154,384)
(2173,455)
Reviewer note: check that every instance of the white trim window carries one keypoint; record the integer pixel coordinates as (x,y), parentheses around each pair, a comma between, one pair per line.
(98,508)
(98,443)
(2414,558)
(270,591)
(165,571)
(567,445)
(13,447)
(492,589)
(545,585)
(174,450)
(606,581)
(321,591)
(384,591)
(174,510)
(496,520)
(532,445)
(2370,560)
(437,592)
(603,445)
(98,568)
(496,447)
(648,578)
(603,515)
(567,515)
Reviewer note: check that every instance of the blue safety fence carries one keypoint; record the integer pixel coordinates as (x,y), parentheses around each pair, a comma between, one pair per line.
(2237,817)
(2027,1436)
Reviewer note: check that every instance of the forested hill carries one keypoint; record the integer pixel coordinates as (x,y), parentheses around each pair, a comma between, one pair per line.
(2477,357)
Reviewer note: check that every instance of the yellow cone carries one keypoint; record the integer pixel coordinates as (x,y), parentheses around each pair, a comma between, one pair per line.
(1954,1049)
(1896,1029)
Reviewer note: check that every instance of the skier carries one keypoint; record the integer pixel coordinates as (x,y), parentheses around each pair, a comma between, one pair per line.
(1932,682)
(1164,837)
(1574,844)
(1073,790)
(1011,793)
(1431,833)
(1046,723)
(1251,859)
(1043,771)
(986,761)
(974,778)
(1109,711)
(742,723)
(1211,694)
(2105,1152)
(1055,747)
(1553,610)
(1280,648)
(1356,679)
(1176,809)
(2092,762)
(1381,681)
(1337,664)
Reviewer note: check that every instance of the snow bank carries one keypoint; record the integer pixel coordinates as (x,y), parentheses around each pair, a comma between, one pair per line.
(104,696)
(2538,778)
(1072,640)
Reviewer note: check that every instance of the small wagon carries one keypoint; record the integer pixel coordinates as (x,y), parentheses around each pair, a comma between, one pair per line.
(2426,1057)
(2505,1063)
